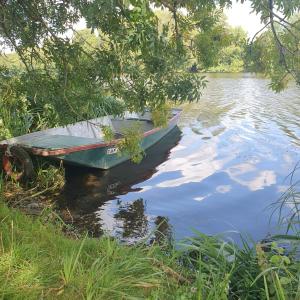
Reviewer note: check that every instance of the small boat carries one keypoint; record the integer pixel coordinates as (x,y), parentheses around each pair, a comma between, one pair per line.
(80,144)
(87,189)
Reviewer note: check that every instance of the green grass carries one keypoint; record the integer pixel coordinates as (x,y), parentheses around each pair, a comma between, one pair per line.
(38,262)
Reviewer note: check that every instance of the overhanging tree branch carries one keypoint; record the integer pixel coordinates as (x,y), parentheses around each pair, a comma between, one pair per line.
(281,48)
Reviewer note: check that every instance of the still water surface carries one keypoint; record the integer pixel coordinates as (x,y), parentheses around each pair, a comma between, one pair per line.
(218,174)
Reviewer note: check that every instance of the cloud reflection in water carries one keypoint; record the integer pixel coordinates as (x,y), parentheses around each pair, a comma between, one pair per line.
(239,143)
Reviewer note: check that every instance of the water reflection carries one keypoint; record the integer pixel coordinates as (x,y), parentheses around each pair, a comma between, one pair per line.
(132,219)
(87,194)
(239,143)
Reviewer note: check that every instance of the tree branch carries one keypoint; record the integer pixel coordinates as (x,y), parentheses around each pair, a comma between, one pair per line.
(175,18)
(280,47)
(257,33)
(271,11)
(289,30)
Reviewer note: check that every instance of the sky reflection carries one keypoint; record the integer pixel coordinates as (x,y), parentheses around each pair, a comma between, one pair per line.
(238,144)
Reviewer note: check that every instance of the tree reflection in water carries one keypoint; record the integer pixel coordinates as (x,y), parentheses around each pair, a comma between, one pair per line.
(133,219)
(91,197)
(136,225)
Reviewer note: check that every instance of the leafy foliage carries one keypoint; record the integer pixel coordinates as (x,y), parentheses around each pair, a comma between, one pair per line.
(108,132)
(233,58)
(130,144)
(130,53)
(209,43)
(15,116)
(278,47)
(160,115)
(129,59)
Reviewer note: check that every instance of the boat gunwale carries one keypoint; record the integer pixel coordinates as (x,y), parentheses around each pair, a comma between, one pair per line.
(63,151)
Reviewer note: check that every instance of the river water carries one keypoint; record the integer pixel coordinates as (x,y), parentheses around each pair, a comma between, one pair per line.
(218,174)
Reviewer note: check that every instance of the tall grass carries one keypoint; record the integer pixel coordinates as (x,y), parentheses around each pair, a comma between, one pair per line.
(290,199)
(37,261)
(222,270)
(70,264)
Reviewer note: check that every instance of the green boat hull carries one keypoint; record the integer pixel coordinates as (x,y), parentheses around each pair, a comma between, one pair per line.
(108,157)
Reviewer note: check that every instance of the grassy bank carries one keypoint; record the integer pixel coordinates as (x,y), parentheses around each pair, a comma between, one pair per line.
(43,258)
(37,261)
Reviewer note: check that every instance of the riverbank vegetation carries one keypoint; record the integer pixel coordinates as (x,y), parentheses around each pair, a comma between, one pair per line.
(132,56)
(128,59)
(38,261)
